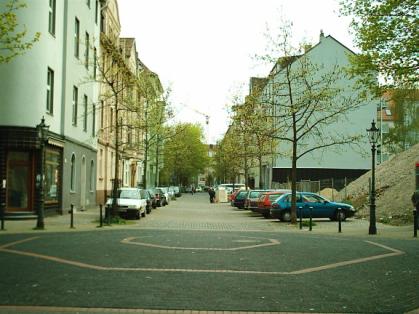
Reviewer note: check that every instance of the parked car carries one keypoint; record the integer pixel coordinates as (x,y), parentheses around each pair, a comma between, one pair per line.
(148,199)
(160,197)
(176,189)
(152,198)
(306,201)
(265,201)
(232,197)
(165,190)
(252,197)
(130,202)
(240,198)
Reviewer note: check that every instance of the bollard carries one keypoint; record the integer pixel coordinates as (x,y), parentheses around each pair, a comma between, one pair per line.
(415,223)
(339,220)
(108,215)
(101,217)
(2,207)
(72,216)
(311,219)
(300,209)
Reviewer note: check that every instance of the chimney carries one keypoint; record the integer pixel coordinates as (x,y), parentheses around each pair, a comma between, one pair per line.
(321,35)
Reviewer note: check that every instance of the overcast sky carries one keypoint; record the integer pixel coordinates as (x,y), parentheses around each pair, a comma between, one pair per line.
(203,49)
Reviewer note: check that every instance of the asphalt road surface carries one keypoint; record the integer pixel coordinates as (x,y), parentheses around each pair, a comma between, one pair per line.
(197,256)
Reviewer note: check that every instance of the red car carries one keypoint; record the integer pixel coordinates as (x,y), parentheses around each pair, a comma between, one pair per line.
(265,201)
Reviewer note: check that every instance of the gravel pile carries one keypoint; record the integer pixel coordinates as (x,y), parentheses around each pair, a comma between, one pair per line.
(395,183)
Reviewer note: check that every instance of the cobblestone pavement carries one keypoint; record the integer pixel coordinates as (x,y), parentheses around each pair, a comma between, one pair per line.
(197,257)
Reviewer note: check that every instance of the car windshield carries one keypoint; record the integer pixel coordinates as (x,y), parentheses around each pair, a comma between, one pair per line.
(130,194)
(254,194)
(273,197)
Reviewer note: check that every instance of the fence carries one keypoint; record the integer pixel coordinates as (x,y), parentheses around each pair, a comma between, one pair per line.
(334,184)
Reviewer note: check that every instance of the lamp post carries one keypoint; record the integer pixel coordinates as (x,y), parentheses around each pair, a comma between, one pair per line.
(373,134)
(42,130)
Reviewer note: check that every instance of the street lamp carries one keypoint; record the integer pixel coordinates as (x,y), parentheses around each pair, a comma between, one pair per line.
(42,130)
(373,134)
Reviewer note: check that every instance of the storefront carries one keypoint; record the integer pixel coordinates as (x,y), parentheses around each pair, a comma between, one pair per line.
(20,171)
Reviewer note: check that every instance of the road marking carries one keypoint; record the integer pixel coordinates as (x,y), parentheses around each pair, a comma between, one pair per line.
(394,252)
(270,243)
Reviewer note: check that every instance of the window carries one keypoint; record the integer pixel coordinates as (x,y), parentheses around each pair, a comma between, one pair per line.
(51,17)
(100,163)
(76,38)
(52,176)
(92,176)
(85,114)
(50,91)
(111,119)
(102,108)
(75,105)
(93,120)
(73,173)
(96,11)
(86,50)
(94,62)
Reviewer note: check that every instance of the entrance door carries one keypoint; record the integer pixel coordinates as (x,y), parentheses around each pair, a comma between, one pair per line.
(83,184)
(19,184)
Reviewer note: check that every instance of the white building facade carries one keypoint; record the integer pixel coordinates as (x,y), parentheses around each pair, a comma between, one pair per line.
(54,80)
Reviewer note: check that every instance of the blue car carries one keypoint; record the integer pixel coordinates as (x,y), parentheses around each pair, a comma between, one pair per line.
(306,201)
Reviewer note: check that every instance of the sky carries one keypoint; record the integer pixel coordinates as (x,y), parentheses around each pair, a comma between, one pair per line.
(203,50)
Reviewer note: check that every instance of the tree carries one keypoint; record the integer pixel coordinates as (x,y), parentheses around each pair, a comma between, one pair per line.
(117,80)
(405,132)
(185,155)
(13,41)
(150,114)
(386,31)
(307,100)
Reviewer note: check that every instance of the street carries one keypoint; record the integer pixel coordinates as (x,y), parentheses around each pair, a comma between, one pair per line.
(197,256)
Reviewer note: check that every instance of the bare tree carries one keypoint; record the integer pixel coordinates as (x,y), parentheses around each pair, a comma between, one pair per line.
(306,99)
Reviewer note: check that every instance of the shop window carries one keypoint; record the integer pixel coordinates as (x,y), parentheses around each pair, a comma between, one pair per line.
(52,176)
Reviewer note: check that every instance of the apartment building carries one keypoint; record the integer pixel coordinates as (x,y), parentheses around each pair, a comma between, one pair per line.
(53,82)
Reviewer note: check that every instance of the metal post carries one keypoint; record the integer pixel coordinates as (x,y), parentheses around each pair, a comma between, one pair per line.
(339,220)
(415,223)
(101,217)
(40,221)
(72,216)
(2,209)
(300,209)
(372,227)
(311,219)
(108,215)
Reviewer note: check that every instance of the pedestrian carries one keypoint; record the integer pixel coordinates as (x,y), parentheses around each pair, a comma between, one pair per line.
(192,190)
(211,193)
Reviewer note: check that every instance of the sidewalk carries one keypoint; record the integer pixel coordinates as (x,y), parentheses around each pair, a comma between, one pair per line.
(88,220)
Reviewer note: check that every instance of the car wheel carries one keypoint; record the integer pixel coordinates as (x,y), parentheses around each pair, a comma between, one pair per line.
(342,215)
(143,214)
(286,216)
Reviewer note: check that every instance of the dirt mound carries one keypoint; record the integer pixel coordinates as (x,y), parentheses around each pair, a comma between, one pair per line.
(395,183)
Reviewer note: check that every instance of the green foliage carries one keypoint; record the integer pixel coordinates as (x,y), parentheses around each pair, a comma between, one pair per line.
(13,41)
(386,31)
(185,156)
(405,132)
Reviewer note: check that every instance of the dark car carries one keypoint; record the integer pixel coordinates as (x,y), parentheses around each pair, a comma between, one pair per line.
(252,197)
(265,201)
(152,198)
(160,197)
(310,202)
(240,198)
(149,198)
